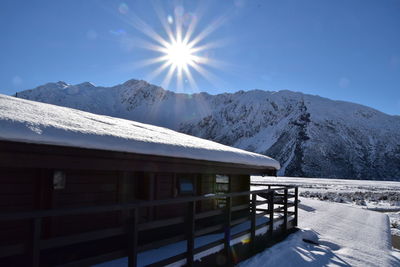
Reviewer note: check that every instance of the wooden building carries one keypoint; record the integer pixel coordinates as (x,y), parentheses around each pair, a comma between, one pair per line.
(65,174)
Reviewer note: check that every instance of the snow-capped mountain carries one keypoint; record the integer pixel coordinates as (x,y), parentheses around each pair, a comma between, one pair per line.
(311,136)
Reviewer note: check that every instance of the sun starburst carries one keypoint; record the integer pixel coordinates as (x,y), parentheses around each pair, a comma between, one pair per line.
(181,51)
(179,55)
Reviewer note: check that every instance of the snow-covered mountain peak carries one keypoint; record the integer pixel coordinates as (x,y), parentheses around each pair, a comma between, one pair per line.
(310,135)
(61,84)
(136,84)
(54,86)
(85,85)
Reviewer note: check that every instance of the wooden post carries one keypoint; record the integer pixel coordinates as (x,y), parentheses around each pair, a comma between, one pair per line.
(227,237)
(296,197)
(253,219)
(133,238)
(35,242)
(271,212)
(285,208)
(190,223)
(151,195)
(123,192)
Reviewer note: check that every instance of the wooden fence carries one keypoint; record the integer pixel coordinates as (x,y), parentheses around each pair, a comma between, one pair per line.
(278,199)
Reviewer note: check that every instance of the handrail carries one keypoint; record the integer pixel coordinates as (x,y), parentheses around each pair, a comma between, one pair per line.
(261,184)
(126,206)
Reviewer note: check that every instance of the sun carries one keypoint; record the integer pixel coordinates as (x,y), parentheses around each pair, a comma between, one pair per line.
(179,55)
(182,50)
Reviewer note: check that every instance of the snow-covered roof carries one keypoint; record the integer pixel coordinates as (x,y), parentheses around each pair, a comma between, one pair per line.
(34,122)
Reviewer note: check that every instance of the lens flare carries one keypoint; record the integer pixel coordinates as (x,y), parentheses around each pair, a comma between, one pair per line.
(181,49)
(123,8)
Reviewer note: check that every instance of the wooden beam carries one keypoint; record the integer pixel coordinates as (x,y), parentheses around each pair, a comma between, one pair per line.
(253,219)
(271,212)
(160,223)
(159,243)
(34,248)
(296,197)
(210,229)
(81,238)
(227,236)
(133,238)
(96,259)
(151,194)
(285,210)
(190,233)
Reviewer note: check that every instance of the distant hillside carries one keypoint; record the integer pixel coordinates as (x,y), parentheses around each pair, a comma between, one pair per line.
(311,136)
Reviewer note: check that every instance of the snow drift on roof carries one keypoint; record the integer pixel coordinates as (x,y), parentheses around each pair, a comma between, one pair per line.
(34,122)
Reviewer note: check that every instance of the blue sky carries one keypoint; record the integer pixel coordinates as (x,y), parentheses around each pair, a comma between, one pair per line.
(343,49)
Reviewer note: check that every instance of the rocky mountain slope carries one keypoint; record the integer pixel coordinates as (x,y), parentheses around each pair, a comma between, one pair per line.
(311,136)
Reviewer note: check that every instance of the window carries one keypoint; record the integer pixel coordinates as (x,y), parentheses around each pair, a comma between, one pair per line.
(185,186)
(59,180)
(222,187)
(222,183)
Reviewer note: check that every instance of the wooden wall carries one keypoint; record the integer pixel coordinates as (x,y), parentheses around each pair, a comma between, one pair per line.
(164,189)
(206,185)
(240,183)
(18,188)
(85,189)
(166,186)
(30,189)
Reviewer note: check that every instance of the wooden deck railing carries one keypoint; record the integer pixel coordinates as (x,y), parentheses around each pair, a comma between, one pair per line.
(276,197)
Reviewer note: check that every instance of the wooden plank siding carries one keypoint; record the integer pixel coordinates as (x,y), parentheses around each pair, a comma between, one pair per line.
(17,193)
(165,188)
(206,185)
(86,188)
(24,155)
(240,183)
(96,179)
(30,189)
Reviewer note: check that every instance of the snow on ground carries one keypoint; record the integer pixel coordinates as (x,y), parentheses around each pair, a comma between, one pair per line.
(34,122)
(382,196)
(335,234)
(152,256)
(340,236)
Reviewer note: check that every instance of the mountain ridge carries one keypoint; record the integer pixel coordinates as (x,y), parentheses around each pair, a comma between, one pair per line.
(310,135)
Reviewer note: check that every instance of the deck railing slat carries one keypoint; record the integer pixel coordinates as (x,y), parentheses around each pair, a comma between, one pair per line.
(285,208)
(227,236)
(271,212)
(190,234)
(282,192)
(296,203)
(133,238)
(253,217)
(35,243)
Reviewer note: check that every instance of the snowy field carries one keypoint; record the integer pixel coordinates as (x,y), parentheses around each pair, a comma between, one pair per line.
(382,196)
(337,235)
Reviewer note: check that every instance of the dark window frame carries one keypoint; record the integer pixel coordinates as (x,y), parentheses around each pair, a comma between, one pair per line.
(190,179)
